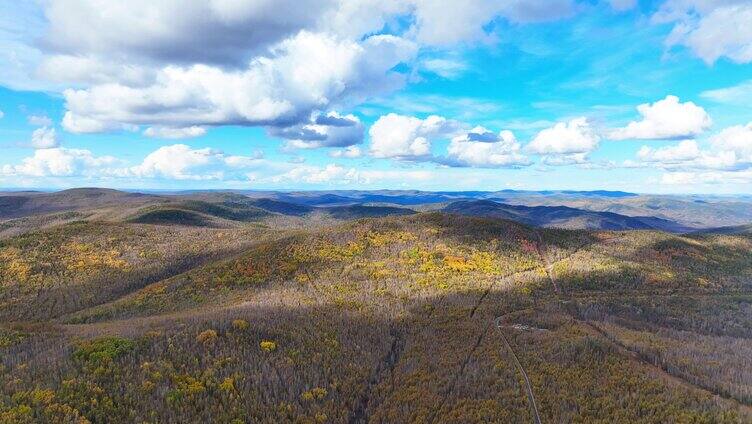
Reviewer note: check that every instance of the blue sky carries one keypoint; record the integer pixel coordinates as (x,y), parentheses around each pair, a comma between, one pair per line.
(648,96)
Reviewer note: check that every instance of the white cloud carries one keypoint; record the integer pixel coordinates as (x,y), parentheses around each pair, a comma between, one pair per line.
(665,119)
(241,62)
(64,68)
(738,95)
(2,114)
(687,155)
(710,28)
(333,174)
(39,120)
(44,138)
(303,74)
(325,130)
(61,162)
(175,133)
(565,138)
(350,152)
(320,175)
(193,63)
(566,159)
(481,148)
(684,151)
(731,151)
(407,137)
(439,22)
(445,68)
(82,125)
(224,32)
(232,32)
(736,139)
(181,162)
(679,178)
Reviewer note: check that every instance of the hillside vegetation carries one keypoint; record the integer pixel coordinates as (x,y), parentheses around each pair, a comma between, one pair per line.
(563,217)
(421,317)
(51,272)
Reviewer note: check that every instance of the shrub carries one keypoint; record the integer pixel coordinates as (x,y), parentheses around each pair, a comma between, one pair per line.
(268,345)
(240,324)
(103,349)
(228,385)
(317,393)
(207,337)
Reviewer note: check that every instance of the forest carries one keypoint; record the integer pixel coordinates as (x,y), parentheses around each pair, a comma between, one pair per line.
(256,316)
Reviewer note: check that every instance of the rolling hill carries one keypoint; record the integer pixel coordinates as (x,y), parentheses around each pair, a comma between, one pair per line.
(562,217)
(198,213)
(427,317)
(364,211)
(14,205)
(736,229)
(408,317)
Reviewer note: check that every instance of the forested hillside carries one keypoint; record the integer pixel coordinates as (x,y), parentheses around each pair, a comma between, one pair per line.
(254,315)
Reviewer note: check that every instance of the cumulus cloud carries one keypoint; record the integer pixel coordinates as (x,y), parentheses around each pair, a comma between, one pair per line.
(665,119)
(565,143)
(226,32)
(44,138)
(305,73)
(320,175)
(174,162)
(684,151)
(686,155)
(481,148)
(333,174)
(82,125)
(325,130)
(350,152)
(39,120)
(232,32)
(2,114)
(730,150)
(407,137)
(175,133)
(181,162)
(710,28)
(736,139)
(198,63)
(65,69)
(61,162)
(566,159)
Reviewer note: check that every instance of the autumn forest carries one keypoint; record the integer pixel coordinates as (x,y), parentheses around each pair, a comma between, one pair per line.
(233,308)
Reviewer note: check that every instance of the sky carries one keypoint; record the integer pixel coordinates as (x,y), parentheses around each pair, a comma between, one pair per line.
(641,96)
